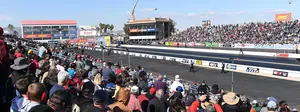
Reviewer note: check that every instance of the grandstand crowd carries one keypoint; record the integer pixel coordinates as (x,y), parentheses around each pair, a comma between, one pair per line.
(55,79)
(255,33)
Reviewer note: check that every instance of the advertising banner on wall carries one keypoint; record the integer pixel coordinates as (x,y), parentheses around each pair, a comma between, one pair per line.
(264,46)
(283,17)
(38,36)
(88,33)
(243,45)
(107,40)
(208,44)
(280,73)
(252,70)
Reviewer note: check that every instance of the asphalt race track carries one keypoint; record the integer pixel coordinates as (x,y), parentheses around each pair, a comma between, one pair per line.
(254,86)
(237,49)
(270,62)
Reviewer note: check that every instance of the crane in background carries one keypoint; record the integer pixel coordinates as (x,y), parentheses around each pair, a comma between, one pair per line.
(132,12)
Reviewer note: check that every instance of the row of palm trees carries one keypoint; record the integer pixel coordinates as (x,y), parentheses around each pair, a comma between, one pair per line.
(103,27)
(12,30)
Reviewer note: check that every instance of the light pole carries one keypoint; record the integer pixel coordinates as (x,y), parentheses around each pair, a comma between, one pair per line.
(232,62)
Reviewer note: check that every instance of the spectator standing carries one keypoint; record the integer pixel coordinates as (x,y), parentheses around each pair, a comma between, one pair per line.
(121,101)
(62,79)
(231,101)
(143,84)
(100,100)
(21,87)
(4,63)
(176,84)
(60,101)
(159,84)
(192,66)
(156,104)
(85,97)
(36,94)
(107,72)
(42,50)
(133,103)
(296,49)
(79,63)
(223,67)
(144,101)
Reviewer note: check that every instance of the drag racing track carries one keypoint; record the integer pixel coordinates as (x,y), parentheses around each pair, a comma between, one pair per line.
(261,61)
(256,87)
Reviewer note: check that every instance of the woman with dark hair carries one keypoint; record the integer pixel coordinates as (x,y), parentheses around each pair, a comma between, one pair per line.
(50,78)
(60,101)
(176,105)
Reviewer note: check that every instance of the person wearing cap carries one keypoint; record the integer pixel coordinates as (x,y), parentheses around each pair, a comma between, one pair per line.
(62,79)
(144,101)
(176,84)
(230,102)
(177,93)
(133,103)
(100,101)
(79,63)
(151,94)
(85,97)
(272,106)
(20,68)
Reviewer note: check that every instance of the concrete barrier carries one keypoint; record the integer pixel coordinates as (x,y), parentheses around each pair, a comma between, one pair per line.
(251,53)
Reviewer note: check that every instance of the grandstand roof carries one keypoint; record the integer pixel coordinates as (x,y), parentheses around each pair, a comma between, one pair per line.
(47,22)
(149,20)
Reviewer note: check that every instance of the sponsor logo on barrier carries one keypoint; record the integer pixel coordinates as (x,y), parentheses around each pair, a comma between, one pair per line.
(185,61)
(154,57)
(172,59)
(283,17)
(252,70)
(280,73)
(212,64)
(230,66)
(198,62)
(164,58)
(264,46)
(282,55)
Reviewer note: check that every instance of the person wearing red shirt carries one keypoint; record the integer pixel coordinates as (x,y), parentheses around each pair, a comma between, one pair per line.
(119,70)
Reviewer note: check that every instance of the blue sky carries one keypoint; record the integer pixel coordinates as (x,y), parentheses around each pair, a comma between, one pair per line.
(186,13)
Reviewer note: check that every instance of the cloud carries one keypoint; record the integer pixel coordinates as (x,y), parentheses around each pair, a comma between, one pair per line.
(203,17)
(148,9)
(274,10)
(191,14)
(233,12)
(5,18)
(210,13)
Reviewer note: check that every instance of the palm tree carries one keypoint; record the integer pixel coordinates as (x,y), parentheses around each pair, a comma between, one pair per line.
(98,29)
(11,28)
(101,27)
(111,27)
(106,26)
